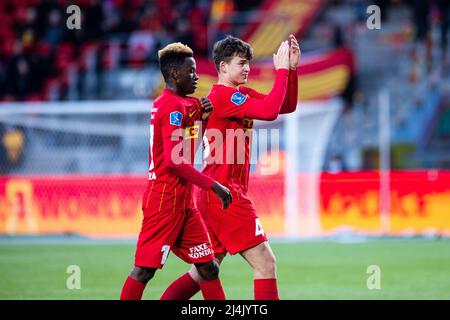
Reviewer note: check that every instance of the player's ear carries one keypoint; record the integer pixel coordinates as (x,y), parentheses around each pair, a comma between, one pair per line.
(174,74)
(223,67)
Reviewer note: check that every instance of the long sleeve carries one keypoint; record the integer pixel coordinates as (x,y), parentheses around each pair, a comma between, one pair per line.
(269,107)
(290,101)
(234,104)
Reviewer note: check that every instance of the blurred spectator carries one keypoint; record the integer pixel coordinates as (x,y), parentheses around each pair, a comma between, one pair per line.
(421,11)
(383,5)
(21,81)
(43,9)
(2,78)
(112,17)
(93,16)
(422,22)
(444,9)
(140,44)
(197,17)
(30,23)
(338,38)
(184,32)
(349,91)
(360,9)
(54,31)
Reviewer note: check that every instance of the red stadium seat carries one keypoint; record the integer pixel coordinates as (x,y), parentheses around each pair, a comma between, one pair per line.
(7,45)
(86,50)
(43,48)
(20,14)
(64,56)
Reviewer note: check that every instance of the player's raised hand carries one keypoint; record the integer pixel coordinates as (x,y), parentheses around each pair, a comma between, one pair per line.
(281,58)
(207,108)
(294,52)
(223,193)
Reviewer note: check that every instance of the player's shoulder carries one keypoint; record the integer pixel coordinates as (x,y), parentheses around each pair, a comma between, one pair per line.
(226,95)
(219,90)
(169,109)
(245,90)
(192,101)
(167,102)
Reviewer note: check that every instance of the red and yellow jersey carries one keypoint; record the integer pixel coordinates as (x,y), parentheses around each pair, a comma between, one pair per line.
(229,163)
(174,124)
(228,135)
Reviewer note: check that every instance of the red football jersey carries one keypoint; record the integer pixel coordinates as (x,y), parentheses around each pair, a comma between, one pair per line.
(227,157)
(174,120)
(230,165)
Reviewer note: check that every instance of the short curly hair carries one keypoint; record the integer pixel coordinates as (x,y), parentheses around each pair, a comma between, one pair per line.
(172,56)
(226,49)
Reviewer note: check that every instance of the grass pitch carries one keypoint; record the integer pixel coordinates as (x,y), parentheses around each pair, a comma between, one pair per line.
(410,269)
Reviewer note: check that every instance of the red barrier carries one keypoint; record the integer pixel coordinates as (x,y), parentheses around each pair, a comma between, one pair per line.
(88,205)
(110,206)
(419,201)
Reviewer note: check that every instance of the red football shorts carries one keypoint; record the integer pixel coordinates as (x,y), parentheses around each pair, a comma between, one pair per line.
(180,231)
(232,230)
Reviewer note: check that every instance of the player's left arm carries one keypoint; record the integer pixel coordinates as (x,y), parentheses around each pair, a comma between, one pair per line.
(291,99)
(175,157)
(207,108)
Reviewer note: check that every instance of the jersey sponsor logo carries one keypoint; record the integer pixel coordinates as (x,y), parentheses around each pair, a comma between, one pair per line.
(192,113)
(191,132)
(202,250)
(175,118)
(238,98)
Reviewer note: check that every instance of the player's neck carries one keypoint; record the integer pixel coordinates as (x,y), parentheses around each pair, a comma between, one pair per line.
(226,82)
(175,90)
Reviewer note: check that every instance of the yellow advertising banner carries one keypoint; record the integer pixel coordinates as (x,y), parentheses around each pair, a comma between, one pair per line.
(110,206)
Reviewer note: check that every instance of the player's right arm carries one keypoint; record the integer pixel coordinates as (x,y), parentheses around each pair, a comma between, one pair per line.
(291,98)
(172,136)
(234,104)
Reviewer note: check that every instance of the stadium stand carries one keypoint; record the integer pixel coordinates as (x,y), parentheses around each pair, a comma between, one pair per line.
(43,58)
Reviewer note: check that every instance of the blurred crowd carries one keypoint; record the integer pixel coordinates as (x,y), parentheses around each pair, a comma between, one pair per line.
(38,51)
(425,14)
(37,48)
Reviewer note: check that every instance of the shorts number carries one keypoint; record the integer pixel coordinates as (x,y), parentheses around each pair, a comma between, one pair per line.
(259,230)
(165,250)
